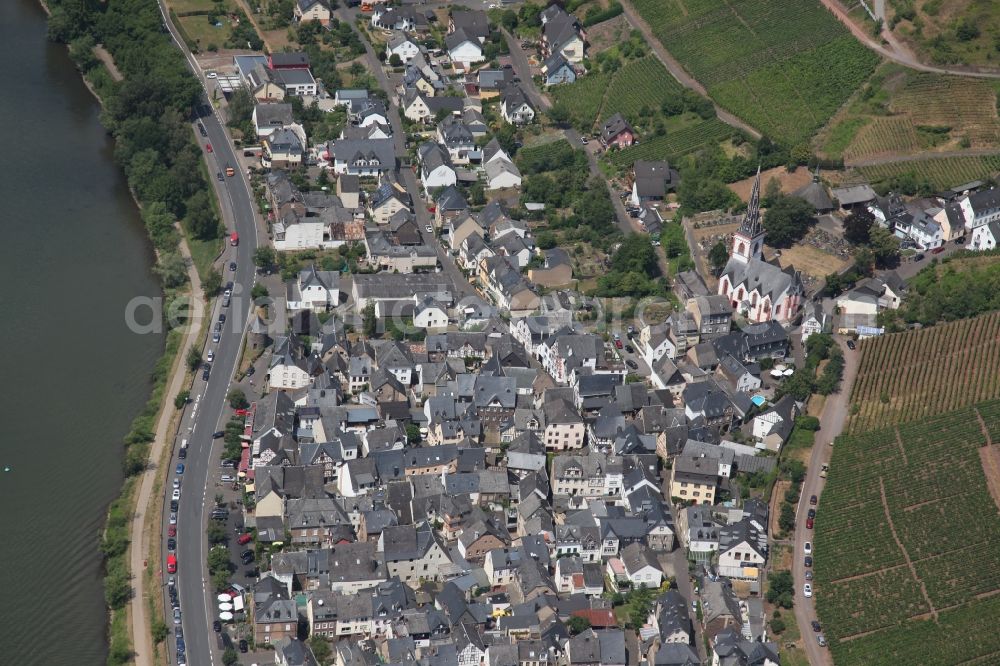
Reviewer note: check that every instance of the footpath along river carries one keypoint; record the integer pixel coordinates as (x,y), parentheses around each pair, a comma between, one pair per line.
(73,253)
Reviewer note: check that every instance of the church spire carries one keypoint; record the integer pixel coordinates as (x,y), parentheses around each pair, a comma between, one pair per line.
(751,221)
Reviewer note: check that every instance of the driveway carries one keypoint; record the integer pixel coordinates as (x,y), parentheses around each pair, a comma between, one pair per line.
(832,422)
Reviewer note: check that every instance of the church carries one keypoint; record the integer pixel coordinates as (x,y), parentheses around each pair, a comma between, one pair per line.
(759,290)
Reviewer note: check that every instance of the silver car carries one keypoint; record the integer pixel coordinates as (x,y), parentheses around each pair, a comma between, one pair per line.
(177,616)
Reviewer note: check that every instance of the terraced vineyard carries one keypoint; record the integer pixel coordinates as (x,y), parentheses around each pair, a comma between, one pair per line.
(886,135)
(891,548)
(967,105)
(941,173)
(673,144)
(916,374)
(768,62)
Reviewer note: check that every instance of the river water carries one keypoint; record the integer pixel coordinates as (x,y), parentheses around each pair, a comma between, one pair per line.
(73,252)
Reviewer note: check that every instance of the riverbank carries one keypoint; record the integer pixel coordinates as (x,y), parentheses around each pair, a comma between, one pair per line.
(125,545)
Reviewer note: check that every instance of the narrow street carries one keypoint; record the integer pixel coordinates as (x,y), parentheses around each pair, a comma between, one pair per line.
(832,422)
(406,174)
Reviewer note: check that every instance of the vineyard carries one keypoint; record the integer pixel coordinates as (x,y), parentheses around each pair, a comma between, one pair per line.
(641,83)
(583,98)
(767,62)
(941,173)
(923,484)
(912,375)
(905,112)
(886,135)
(673,144)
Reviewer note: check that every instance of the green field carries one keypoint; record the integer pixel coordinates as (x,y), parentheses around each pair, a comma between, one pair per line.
(926,487)
(784,66)
(941,172)
(203,33)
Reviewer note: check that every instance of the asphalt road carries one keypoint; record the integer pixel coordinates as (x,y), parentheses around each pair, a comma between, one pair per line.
(206,411)
(831,425)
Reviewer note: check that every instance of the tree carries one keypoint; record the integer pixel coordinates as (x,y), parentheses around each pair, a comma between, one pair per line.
(786,521)
(508,19)
(259,291)
(780,588)
(320,649)
(216,533)
(264,257)
(577,625)
(395,60)
(182,399)
(172,270)
(238,399)
(412,433)
(718,256)
(787,220)
(212,282)
(885,247)
(772,191)
(546,240)
(777,625)
(857,226)
(560,114)
(201,219)
(193,358)
(369,321)
(636,254)
(477,195)
(159,630)
(810,423)
(230,657)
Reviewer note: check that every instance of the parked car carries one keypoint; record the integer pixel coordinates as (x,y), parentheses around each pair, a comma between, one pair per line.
(180,468)
(222,317)
(807,548)
(217,626)
(210,356)
(851,345)
(182,454)
(809,574)
(208,147)
(219,177)
(171,563)
(226,478)
(177,616)
(809,523)
(618,344)
(815,626)
(171,544)
(173,518)
(176,494)
(218,433)
(245,539)
(918,257)
(227,462)
(821,640)
(807,590)
(813,500)
(232,265)
(174,505)
(811,514)
(630,349)
(247,556)
(631,364)
(429,229)
(216,336)
(177,483)
(244,646)
(201,129)
(172,531)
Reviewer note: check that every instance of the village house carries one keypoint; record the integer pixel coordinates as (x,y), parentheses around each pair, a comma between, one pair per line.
(617,133)
(694,479)
(651,181)
(515,107)
(312,10)
(562,35)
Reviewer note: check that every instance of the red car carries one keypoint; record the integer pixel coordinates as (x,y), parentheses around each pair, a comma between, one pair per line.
(172,531)
(809,523)
(171,564)
(245,539)
(241,412)
(618,344)
(208,147)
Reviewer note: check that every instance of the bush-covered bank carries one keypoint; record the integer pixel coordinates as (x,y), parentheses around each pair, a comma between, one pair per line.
(148,114)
